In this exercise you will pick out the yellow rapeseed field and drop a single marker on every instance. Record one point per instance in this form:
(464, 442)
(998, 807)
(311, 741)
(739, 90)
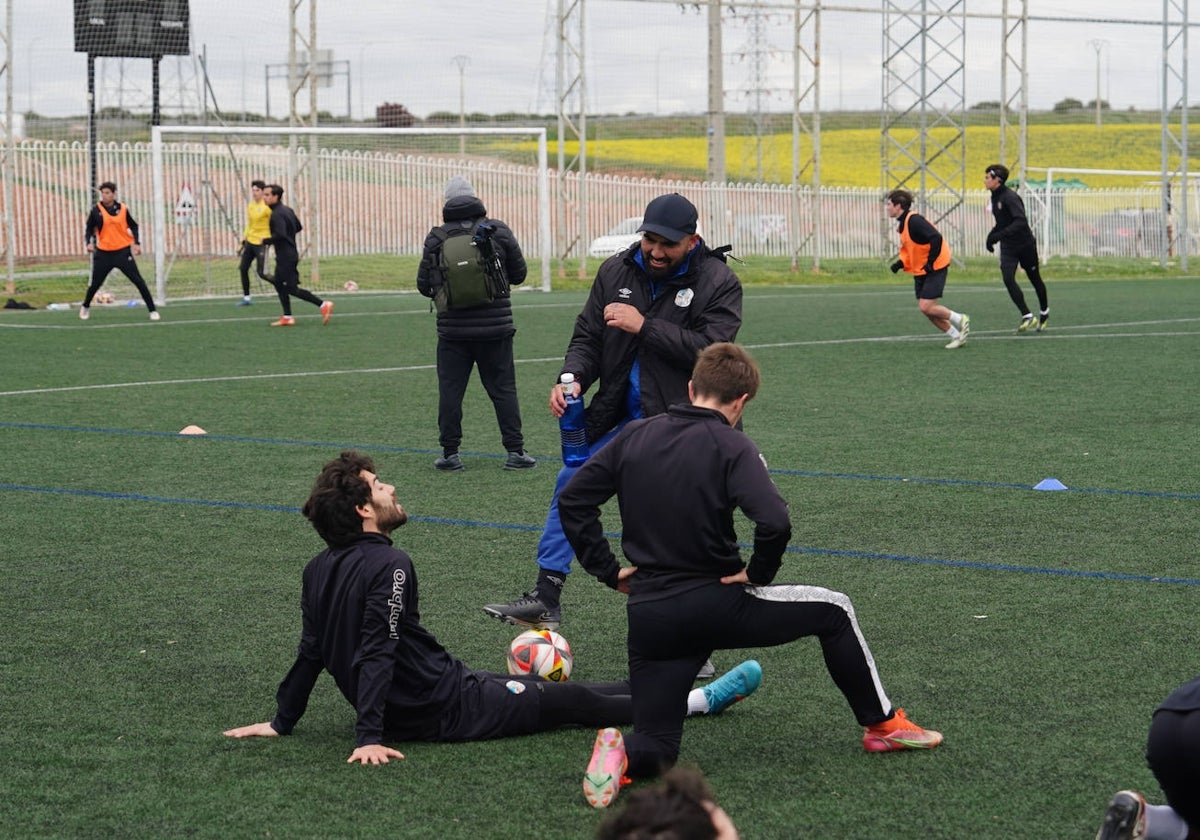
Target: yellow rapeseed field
(851, 157)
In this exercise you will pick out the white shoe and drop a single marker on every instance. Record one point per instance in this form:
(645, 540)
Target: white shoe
(154, 316)
(965, 329)
(958, 342)
(84, 313)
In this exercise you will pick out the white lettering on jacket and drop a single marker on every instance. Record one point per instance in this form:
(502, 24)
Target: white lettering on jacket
(396, 603)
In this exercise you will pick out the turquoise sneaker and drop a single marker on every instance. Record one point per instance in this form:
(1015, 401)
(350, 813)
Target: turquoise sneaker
(732, 687)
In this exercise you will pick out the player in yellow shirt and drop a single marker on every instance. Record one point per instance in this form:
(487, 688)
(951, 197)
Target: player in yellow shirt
(258, 228)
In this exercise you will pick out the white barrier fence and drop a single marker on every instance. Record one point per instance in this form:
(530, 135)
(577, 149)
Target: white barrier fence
(384, 204)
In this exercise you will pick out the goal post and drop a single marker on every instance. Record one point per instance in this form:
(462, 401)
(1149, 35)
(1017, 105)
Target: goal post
(359, 192)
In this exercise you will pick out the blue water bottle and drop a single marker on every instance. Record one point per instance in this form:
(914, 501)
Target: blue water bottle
(572, 426)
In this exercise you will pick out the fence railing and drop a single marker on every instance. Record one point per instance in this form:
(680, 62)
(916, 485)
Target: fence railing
(385, 204)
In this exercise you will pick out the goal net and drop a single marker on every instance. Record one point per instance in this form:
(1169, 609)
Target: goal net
(366, 197)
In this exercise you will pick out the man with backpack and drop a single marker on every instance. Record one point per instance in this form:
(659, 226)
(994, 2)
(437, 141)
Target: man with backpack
(467, 266)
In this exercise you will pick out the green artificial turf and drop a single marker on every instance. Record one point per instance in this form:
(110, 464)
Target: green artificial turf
(150, 590)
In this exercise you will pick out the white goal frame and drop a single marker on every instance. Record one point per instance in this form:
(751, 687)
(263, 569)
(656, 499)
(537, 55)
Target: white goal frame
(160, 133)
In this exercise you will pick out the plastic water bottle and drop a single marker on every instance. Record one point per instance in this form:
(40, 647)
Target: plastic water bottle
(572, 426)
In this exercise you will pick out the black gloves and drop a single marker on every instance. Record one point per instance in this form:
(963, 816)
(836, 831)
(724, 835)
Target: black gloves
(992, 239)
(896, 266)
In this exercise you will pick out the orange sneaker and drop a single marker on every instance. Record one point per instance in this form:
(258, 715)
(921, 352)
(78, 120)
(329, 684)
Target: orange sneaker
(899, 733)
(284, 321)
(606, 771)
(326, 312)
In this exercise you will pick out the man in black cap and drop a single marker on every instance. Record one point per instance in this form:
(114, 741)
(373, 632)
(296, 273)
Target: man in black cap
(652, 309)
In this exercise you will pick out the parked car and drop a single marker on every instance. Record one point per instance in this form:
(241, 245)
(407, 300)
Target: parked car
(617, 239)
(1129, 233)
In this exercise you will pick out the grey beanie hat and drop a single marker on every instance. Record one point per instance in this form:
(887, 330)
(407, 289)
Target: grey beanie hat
(458, 185)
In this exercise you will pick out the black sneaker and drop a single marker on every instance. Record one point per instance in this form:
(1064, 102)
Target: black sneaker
(519, 460)
(1125, 818)
(448, 463)
(527, 611)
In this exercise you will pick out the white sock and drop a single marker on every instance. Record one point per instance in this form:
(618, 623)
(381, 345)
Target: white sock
(1045, 312)
(955, 319)
(1162, 823)
(952, 332)
(697, 703)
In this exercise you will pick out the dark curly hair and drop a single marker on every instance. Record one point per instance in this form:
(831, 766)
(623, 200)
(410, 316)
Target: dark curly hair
(671, 810)
(337, 492)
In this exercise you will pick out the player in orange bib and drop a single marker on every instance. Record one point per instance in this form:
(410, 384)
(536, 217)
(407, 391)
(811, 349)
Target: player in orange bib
(111, 235)
(926, 256)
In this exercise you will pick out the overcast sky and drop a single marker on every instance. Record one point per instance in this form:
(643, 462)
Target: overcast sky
(641, 56)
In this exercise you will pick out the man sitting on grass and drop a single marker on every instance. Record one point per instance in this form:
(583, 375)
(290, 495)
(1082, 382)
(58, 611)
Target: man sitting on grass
(361, 623)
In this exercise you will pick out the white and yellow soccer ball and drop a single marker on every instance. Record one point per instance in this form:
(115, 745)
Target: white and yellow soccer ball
(105, 296)
(541, 653)
(350, 286)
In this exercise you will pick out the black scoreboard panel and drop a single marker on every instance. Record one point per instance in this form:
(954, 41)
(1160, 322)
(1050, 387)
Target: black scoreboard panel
(132, 28)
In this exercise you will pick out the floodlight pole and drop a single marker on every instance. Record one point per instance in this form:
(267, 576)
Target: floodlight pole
(10, 150)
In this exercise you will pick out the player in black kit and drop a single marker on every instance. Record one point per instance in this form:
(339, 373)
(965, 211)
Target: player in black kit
(1018, 247)
(362, 624)
(689, 591)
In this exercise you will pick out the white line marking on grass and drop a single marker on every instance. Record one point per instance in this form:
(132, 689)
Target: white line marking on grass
(245, 378)
(1007, 335)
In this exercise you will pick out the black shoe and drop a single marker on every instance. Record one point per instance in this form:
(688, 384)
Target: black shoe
(527, 611)
(1125, 818)
(448, 463)
(1042, 321)
(519, 460)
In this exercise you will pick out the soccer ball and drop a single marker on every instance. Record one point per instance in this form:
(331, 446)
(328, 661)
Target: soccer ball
(541, 653)
(105, 297)
(350, 286)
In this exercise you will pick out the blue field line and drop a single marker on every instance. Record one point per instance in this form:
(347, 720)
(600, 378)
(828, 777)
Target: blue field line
(963, 482)
(437, 520)
(371, 447)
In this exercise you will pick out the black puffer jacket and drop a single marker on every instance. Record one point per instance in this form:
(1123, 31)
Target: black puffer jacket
(684, 314)
(486, 322)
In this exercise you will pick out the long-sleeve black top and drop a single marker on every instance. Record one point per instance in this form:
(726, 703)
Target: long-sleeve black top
(362, 624)
(1011, 226)
(284, 229)
(678, 477)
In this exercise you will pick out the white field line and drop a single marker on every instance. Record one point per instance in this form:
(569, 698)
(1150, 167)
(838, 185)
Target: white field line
(1056, 332)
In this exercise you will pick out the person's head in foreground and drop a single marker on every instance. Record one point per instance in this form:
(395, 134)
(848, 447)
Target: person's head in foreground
(679, 807)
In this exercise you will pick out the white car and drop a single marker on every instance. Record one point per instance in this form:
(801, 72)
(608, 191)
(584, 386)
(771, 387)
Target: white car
(616, 240)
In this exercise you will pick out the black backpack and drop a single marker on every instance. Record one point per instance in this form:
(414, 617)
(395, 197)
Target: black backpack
(470, 268)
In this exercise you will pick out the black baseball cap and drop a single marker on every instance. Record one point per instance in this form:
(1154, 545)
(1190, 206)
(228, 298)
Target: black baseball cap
(671, 216)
